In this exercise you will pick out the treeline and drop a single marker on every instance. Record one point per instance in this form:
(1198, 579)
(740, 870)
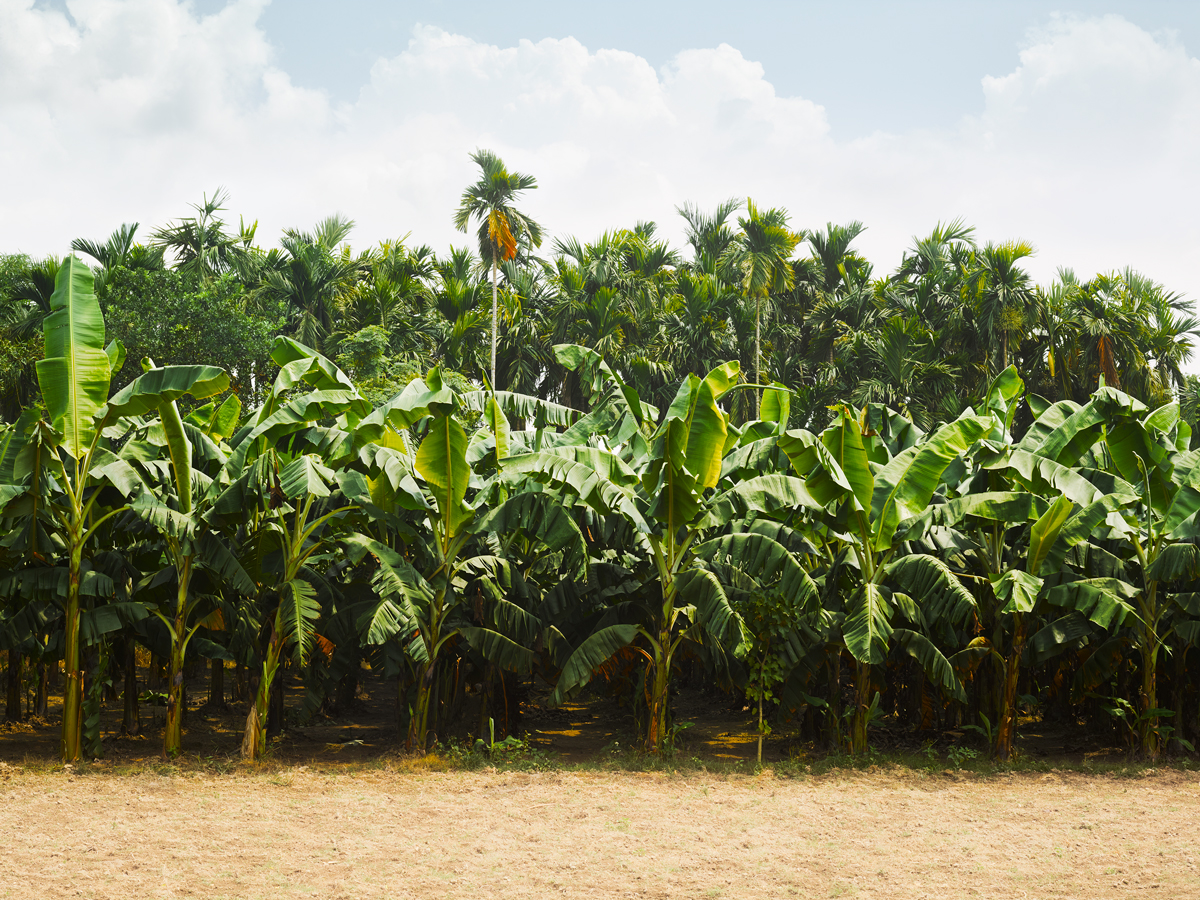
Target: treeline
(945, 495)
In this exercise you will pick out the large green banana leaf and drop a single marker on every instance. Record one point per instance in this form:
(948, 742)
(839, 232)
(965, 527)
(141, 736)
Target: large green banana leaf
(299, 363)
(939, 593)
(298, 614)
(764, 494)
(589, 656)
(777, 406)
(442, 462)
(592, 366)
(417, 401)
(164, 385)
(159, 388)
(545, 518)
(593, 489)
(534, 410)
(498, 649)
(818, 466)
(1105, 601)
(904, 487)
(868, 626)
(75, 374)
(702, 591)
(844, 441)
(1044, 533)
(995, 506)
(764, 560)
(305, 476)
(937, 668)
(1046, 477)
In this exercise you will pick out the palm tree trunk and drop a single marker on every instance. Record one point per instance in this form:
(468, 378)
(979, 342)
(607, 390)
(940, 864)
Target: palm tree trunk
(494, 385)
(757, 356)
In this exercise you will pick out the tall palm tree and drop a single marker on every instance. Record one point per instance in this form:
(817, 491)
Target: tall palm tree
(501, 226)
(760, 255)
(708, 233)
(312, 278)
(1006, 294)
(29, 298)
(200, 244)
(831, 249)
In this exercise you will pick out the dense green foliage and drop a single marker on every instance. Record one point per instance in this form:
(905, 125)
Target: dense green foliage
(944, 495)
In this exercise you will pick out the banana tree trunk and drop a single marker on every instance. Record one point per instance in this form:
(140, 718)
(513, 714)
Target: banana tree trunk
(1007, 730)
(72, 723)
(1147, 724)
(12, 700)
(1177, 690)
(173, 734)
(216, 684)
(41, 696)
(419, 724)
(833, 727)
(862, 708)
(656, 733)
(254, 741)
(761, 671)
(130, 720)
(418, 728)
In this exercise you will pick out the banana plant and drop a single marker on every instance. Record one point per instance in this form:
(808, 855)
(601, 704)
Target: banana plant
(287, 505)
(1122, 447)
(175, 507)
(63, 464)
(425, 605)
(665, 482)
(1013, 529)
(860, 505)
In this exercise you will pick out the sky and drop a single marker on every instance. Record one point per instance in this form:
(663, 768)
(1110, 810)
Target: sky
(1073, 126)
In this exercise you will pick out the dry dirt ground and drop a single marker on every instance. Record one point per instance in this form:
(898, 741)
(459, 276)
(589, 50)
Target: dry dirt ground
(298, 832)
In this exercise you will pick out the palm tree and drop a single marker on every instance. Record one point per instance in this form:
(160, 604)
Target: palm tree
(456, 307)
(501, 226)
(29, 298)
(201, 245)
(708, 234)
(1006, 293)
(760, 255)
(311, 278)
(831, 249)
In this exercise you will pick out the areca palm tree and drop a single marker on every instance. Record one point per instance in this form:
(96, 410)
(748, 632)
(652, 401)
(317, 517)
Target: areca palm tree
(708, 233)
(312, 278)
(200, 244)
(501, 226)
(1005, 293)
(831, 249)
(760, 256)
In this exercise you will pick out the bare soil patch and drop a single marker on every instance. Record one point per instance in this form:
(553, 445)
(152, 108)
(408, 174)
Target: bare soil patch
(297, 832)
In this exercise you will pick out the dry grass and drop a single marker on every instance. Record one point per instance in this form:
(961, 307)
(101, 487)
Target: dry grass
(411, 831)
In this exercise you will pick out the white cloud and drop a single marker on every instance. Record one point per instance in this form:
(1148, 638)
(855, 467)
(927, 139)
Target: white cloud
(138, 106)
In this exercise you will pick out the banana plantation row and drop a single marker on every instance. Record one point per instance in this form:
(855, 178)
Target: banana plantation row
(839, 575)
(825, 489)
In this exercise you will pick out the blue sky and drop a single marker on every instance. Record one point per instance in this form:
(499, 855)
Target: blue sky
(1074, 126)
(873, 64)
